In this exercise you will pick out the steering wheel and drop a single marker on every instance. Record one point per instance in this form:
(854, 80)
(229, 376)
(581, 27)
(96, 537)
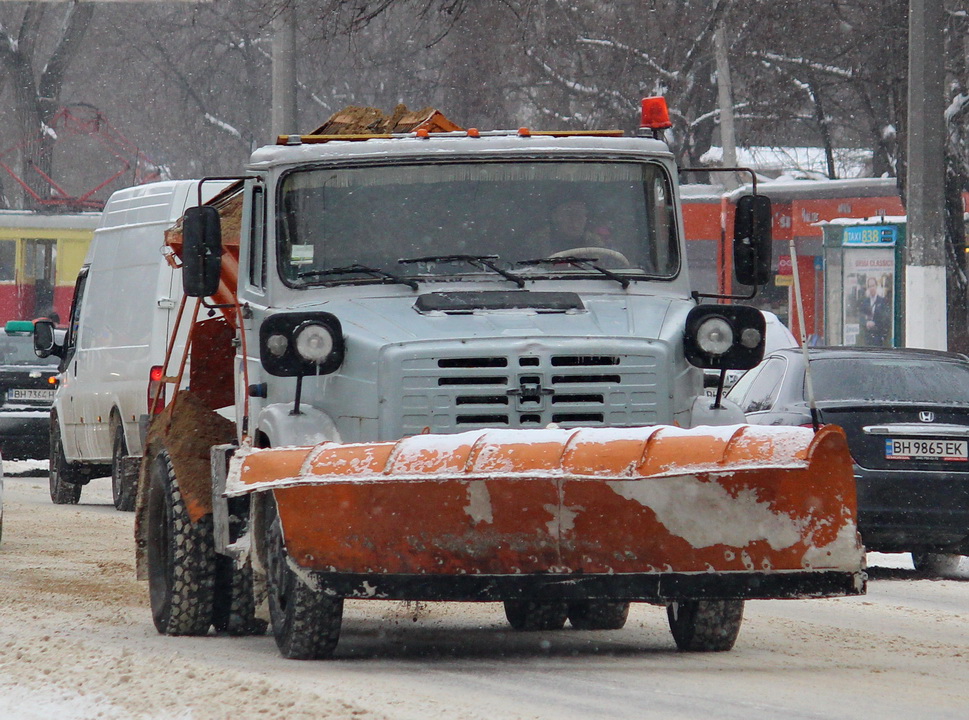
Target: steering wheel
(598, 253)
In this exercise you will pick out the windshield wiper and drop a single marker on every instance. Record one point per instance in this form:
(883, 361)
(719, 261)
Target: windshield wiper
(359, 269)
(579, 262)
(478, 261)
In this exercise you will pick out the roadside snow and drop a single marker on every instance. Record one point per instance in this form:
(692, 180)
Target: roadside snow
(24, 702)
(77, 643)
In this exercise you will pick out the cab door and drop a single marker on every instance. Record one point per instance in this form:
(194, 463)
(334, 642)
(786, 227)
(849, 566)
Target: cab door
(253, 278)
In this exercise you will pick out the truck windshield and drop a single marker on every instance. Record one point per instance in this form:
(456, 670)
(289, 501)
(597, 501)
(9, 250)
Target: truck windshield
(615, 215)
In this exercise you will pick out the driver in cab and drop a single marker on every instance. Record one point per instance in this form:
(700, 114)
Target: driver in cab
(568, 234)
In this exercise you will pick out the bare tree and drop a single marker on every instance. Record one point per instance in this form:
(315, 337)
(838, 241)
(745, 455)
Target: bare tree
(35, 59)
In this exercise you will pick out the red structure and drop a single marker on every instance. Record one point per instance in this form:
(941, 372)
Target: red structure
(799, 205)
(73, 124)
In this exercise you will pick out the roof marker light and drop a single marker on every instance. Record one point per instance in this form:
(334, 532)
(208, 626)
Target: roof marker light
(524, 132)
(655, 115)
(474, 133)
(422, 133)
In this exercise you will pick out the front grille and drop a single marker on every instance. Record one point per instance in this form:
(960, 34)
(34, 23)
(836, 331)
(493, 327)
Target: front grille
(529, 389)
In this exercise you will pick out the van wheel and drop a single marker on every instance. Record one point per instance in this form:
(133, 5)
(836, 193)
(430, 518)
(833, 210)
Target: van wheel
(65, 479)
(181, 557)
(705, 625)
(122, 489)
(598, 615)
(530, 615)
(306, 622)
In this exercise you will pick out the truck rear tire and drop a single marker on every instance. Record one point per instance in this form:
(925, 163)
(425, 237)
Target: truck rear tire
(936, 564)
(65, 480)
(181, 557)
(598, 615)
(123, 490)
(532, 615)
(234, 606)
(705, 625)
(306, 623)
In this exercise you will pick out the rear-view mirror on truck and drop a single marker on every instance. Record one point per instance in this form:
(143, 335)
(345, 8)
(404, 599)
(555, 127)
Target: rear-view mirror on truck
(752, 240)
(202, 254)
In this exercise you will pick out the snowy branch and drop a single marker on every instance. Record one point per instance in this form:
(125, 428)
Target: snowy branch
(843, 73)
(645, 57)
(222, 125)
(618, 101)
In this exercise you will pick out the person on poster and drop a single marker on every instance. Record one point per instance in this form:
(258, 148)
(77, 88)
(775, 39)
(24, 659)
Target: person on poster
(876, 317)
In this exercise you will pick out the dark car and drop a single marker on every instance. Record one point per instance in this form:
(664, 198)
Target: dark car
(906, 415)
(26, 393)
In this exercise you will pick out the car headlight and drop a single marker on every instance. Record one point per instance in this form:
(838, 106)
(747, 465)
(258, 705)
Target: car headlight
(294, 344)
(724, 337)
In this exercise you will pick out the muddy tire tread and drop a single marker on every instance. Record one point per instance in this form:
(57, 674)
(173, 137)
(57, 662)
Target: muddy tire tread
(536, 615)
(598, 615)
(306, 622)
(181, 558)
(705, 625)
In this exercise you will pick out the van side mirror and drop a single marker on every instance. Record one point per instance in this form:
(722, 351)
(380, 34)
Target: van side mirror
(201, 251)
(752, 240)
(44, 343)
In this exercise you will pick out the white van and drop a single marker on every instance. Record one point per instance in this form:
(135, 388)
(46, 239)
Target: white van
(125, 300)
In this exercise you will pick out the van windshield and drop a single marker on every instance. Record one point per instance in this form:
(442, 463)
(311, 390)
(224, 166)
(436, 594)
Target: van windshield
(567, 215)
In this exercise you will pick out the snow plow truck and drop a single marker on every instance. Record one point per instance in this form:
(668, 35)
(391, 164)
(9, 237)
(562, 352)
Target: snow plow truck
(428, 363)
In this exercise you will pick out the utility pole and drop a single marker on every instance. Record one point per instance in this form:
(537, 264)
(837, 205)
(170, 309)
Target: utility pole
(725, 98)
(925, 269)
(284, 117)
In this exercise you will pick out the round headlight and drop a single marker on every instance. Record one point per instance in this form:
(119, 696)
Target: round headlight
(750, 338)
(714, 336)
(314, 342)
(277, 344)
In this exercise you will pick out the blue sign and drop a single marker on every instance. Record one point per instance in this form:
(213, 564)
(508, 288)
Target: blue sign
(869, 235)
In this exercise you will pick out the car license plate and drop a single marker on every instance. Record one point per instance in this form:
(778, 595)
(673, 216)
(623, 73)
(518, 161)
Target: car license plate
(30, 394)
(913, 449)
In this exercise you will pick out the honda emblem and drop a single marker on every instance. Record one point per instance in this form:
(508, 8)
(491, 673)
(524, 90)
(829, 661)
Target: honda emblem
(926, 416)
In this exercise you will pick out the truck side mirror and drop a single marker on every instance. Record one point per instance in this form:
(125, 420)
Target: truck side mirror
(752, 240)
(44, 343)
(201, 251)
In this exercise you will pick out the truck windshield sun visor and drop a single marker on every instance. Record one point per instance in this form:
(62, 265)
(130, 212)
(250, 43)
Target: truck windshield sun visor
(595, 217)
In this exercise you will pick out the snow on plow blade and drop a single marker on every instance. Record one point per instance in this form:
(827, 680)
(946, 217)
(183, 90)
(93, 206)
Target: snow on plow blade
(640, 513)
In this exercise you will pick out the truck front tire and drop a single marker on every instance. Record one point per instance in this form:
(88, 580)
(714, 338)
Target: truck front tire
(181, 557)
(705, 625)
(306, 623)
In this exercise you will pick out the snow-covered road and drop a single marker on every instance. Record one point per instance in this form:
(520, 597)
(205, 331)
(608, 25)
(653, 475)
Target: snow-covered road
(77, 642)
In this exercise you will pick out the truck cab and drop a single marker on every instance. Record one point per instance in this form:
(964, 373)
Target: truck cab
(506, 280)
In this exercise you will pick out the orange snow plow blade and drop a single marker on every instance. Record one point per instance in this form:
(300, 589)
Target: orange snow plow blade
(774, 507)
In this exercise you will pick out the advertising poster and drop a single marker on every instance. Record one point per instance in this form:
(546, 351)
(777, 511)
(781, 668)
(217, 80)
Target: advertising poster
(869, 299)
